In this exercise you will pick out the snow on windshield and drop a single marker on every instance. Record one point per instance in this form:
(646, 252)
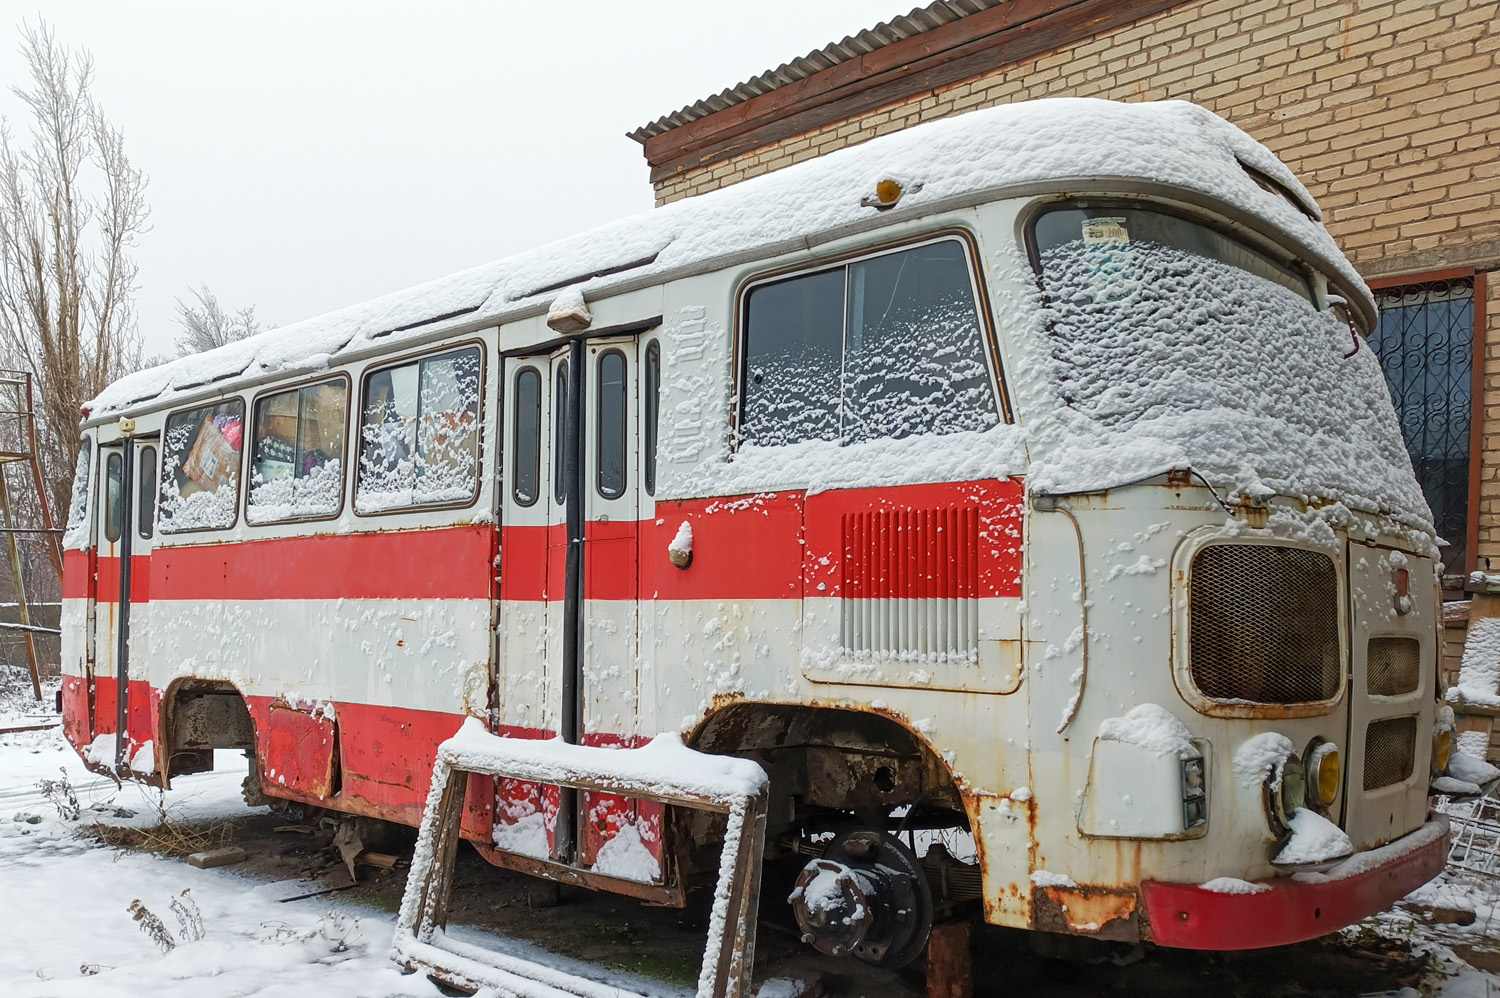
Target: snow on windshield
(77, 533)
(1165, 358)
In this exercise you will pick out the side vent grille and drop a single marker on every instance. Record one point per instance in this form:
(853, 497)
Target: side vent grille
(911, 584)
(1395, 666)
(1390, 751)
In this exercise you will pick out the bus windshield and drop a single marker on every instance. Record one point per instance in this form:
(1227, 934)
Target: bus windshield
(1176, 345)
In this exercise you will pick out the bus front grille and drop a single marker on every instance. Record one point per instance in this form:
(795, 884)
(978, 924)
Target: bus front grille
(1263, 624)
(1394, 666)
(1390, 751)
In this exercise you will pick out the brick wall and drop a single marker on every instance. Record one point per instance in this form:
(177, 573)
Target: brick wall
(1489, 457)
(1388, 111)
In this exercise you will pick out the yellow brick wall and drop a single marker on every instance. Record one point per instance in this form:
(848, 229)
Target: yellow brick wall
(1388, 111)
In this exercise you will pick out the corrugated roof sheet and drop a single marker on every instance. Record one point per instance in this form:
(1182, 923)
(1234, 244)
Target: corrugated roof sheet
(921, 20)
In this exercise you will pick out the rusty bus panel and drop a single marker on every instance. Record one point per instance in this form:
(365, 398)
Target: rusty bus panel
(1100, 912)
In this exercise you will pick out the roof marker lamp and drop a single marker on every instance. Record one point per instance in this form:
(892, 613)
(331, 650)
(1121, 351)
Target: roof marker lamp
(887, 193)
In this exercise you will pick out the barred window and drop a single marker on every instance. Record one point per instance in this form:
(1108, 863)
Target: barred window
(1425, 342)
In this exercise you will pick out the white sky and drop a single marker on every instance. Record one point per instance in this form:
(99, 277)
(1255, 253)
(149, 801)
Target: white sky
(304, 156)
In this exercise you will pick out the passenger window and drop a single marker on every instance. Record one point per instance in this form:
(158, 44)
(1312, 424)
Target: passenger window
(77, 535)
(889, 346)
(297, 461)
(794, 342)
(652, 414)
(113, 496)
(560, 436)
(200, 473)
(419, 435)
(528, 436)
(145, 513)
(611, 415)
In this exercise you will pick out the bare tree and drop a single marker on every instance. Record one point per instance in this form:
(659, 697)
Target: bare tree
(71, 208)
(208, 325)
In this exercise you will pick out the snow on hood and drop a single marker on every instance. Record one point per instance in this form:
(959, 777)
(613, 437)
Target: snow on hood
(1171, 142)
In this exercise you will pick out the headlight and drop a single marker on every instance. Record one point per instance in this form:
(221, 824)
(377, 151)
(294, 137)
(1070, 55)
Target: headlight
(1289, 794)
(1442, 750)
(1323, 773)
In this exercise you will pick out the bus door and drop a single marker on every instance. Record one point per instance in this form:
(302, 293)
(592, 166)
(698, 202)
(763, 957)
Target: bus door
(125, 529)
(533, 554)
(610, 684)
(569, 551)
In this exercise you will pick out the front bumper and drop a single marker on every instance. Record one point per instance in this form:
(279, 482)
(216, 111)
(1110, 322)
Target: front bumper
(1303, 906)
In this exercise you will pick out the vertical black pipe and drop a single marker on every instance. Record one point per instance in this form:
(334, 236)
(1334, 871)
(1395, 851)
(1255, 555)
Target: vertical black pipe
(572, 679)
(122, 648)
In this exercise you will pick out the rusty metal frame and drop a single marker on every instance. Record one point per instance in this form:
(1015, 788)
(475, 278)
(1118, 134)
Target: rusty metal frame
(421, 943)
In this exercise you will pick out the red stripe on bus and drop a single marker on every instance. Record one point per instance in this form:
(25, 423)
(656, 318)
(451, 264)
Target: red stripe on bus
(447, 563)
(78, 575)
(108, 580)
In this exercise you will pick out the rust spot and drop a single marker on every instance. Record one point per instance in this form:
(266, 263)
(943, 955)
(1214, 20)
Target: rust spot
(722, 700)
(1100, 912)
(400, 643)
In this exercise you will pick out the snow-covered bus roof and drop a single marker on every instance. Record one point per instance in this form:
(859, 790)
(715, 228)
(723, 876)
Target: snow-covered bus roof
(942, 164)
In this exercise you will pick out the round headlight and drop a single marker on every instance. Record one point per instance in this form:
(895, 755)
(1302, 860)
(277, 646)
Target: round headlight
(1442, 750)
(1288, 790)
(1324, 772)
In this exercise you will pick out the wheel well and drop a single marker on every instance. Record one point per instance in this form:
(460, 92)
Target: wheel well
(202, 715)
(831, 759)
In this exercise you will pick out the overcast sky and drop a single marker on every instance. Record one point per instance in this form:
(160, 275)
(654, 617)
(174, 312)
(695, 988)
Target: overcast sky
(304, 156)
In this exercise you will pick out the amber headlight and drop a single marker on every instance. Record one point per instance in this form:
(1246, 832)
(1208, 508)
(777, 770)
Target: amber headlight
(1442, 750)
(1324, 773)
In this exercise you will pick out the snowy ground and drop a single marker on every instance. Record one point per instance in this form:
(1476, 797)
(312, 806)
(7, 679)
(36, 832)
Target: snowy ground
(68, 929)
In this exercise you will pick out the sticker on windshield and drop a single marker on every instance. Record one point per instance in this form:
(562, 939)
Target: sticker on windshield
(1105, 232)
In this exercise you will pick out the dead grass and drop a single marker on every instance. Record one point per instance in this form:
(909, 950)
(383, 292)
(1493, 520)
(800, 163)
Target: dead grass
(166, 838)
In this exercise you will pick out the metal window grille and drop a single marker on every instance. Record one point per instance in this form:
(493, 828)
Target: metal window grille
(1425, 342)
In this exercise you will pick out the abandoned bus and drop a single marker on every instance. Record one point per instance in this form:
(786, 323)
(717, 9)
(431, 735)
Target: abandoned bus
(1017, 490)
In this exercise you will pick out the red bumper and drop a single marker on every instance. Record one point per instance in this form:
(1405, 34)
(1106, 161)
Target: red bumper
(1289, 910)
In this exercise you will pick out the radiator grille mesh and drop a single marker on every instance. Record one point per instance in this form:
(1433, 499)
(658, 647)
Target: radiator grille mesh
(1395, 666)
(1390, 750)
(1264, 624)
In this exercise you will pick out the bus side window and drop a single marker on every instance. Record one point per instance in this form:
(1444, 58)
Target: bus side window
(789, 384)
(612, 396)
(113, 497)
(297, 459)
(200, 467)
(886, 346)
(419, 434)
(559, 435)
(914, 353)
(145, 510)
(652, 419)
(528, 436)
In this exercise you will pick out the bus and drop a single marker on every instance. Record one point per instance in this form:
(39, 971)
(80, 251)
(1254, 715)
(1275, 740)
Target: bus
(1019, 491)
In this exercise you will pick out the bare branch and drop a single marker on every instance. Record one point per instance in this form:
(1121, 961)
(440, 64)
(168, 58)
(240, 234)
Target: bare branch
(71, 208)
